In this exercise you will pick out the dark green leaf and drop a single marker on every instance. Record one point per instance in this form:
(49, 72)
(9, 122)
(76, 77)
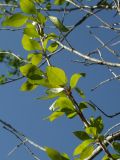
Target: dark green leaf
(80, 92)
(81, 135)
(116, 146)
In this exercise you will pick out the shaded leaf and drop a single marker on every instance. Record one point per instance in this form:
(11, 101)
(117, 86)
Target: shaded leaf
(81, 135)
(80, 92)
(116, 146)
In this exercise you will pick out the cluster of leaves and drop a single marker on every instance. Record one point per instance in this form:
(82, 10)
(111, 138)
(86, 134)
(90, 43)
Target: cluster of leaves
(13, 63)
(39, 44)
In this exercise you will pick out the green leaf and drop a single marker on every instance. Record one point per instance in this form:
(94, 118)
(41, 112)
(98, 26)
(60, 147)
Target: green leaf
(30, 44)
(86, 152)
(83, 105)
(16, 20)
(58, 24)
(41, 18)
(75, 78)
(98, 123)
(28, 86)
(80, 92)
(91, 131)
(56, 76)
(49, 37)
(81, 135)
(116, 146)
(64, 102)
(31, 31)
(78, 150)
(31, 71)
(59, 2)
(35, 59)
(53, 47)
(27, 6)
(55, 115)
(55, 155)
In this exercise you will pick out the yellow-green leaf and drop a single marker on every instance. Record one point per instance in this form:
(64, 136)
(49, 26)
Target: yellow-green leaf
(35, 58)
(31, 71)
(58, 24)
(30, 44)
(64, 102)
(59, 2)
(56, 76)
(86, 152)
(27, 86)
(31, 31)
(55, 115)
(53, 47)
(16, 20)
(75, 78)
(27, 6)
(82, 146)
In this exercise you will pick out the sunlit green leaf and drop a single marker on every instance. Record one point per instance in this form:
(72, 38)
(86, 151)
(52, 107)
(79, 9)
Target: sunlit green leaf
(31, 31)
(53, 47)
(56, 76)
(81, 135)
(31, 71)
(64, 102)
(59, 2)
(30, 44)
(75, 78)
(55, 115)
(27, 6)
(91, 131)
(82, 146)
(16, 20)
(55, 155)
(41, 18)
(35, 59)
(27, 86)
(86, 152)
(58, 24)
(97, 123)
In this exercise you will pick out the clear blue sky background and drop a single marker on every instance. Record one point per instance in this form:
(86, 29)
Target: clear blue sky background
(25, 113)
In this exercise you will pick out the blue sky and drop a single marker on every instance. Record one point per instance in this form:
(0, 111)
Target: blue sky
(25, 113)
